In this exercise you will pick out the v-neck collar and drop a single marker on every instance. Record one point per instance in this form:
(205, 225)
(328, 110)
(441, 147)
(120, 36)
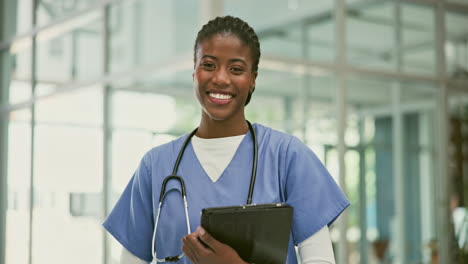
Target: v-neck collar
(246, 140)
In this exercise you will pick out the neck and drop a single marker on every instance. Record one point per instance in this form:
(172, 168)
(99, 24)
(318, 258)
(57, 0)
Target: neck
(210, 128)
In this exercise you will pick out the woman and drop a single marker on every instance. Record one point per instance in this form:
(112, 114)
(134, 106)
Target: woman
(216, 167)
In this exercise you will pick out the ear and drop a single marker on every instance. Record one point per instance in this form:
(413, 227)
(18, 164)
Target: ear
(252, 85)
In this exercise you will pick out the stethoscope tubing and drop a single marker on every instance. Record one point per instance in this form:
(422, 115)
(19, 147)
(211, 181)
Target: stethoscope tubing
(153, 241)
(174, 176)
(253, 176)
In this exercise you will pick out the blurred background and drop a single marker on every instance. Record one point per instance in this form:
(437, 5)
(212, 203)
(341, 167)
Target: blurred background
(377, 89)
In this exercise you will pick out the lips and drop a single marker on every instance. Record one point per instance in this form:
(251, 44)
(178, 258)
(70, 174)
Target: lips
(220, 98)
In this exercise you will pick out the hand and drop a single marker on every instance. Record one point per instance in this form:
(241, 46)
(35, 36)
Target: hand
(214, 252)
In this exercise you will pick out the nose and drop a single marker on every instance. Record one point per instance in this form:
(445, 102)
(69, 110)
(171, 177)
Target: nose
(221, 77)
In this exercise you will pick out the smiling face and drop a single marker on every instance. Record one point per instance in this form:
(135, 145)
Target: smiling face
(223, 77)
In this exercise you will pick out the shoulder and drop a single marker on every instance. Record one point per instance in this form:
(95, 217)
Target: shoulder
(278, 139)
(271, 136)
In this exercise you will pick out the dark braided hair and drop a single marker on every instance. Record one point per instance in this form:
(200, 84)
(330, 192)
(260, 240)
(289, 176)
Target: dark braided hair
(231, 25)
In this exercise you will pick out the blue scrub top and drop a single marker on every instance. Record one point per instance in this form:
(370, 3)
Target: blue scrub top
(288, 171)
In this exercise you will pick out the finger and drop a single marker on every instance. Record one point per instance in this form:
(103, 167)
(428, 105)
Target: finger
(210, 241)
(189, 254)
(187, 248)
(198, 247)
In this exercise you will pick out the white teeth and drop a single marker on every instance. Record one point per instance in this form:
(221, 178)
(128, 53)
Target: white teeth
(220, 96)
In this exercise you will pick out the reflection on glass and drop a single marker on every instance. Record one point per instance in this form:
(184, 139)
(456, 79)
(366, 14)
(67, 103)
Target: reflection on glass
(69, 52)
(418, 39)
(269, 111)
(68, 161)
(372, 30)
(145, 111)
(370, 34)
(319, 113)
(188, 113)
(282, 42)
(76, 108)
(142, 121)
(299, 29)
(128, 147)
(296, 103)
(49, 11)
(150, 32)
(19, 175)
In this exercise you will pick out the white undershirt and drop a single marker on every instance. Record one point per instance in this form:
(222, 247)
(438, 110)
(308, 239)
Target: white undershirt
(214, 155)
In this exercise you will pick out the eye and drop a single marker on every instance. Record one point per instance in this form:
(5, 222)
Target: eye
(208, 65)
(237, 70)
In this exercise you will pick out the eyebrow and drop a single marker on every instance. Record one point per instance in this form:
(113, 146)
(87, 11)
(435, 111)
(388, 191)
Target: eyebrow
(231, 60)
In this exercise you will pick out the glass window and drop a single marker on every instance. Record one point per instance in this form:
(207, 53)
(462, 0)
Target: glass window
(320, 115)
(137, 114)
(140, 111)
(49, 11)
(15, 71)
(18, 192)
(268, 110)
(299, 29)
(188, 113)
(456, 48)
(369, 108)
(137, 127)
(16, 18)
(68, 170)
(151, 32)
(143, 97)
(76, 108)
(418, 39)
(370, 34)
(69, 52)
(321, 38)
(372, 31)
(371, 139)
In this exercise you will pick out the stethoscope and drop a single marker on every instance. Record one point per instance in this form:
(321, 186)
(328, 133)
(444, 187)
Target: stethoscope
(174, 176)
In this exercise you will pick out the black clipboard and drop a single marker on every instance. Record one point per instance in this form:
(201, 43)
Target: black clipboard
(259, 233)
